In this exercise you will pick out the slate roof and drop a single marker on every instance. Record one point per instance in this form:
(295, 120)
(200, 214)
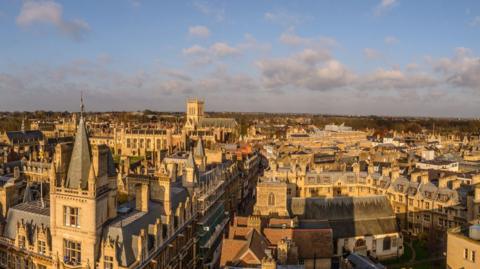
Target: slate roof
(347, 216)
(126, 229)
(361, 262)
(80, 162)
(217, 122)
(32, 213)
(19, 136)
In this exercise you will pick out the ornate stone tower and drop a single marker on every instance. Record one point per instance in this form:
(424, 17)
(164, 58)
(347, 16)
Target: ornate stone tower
(194, 112)
(199, 155)
(81, 201)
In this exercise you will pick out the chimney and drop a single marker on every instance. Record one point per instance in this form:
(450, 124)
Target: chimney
(142, 197)
(16, 172)
(414, 176)
(424, 178)
(456, 184)
(371, 169)
(356, 168)
(395, 173)
(443, 182)
(386, 171)
(477, 194)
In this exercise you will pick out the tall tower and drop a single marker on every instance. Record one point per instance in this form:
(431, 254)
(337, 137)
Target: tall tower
(194, 111)
(81, 202)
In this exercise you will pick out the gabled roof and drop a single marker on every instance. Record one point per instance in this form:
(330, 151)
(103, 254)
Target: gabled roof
(80, 162)
(244, 251)
(16, 136)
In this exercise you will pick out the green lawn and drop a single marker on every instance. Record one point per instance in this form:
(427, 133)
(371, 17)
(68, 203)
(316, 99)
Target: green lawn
(422, 253)
(407, 255)
(421, 250)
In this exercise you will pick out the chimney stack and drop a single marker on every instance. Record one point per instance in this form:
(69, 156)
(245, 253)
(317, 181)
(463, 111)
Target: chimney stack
(142, 197)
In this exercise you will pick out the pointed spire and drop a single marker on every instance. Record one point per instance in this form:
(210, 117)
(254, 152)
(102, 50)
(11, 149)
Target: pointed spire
(80, 162)
(82, 107)
(190, 161)
(23, 125)
(199, 149)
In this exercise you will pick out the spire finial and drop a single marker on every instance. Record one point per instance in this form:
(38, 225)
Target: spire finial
(81, 104)
(23, 125)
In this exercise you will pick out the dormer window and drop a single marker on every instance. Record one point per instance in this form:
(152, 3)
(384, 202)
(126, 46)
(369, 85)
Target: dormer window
(70, 216)
(108, 262)
(21, 241)
(42, 248)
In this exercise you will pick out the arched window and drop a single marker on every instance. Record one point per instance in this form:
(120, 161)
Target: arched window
(271, 199)
(360, 243)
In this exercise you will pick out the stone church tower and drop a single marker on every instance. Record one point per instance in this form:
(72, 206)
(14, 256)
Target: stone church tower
(82, 199)
(194, 113)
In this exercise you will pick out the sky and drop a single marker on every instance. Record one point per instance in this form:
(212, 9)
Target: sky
(382, 57)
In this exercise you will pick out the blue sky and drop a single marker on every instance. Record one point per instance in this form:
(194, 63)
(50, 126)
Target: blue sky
(386, 57)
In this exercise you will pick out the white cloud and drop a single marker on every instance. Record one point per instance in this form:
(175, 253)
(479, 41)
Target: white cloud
(199, 31)
(461, 70)
(284, 18)
(475, 21)
(194, 50)
(218, 50)
(50, 12)
(221, 49)
(135, 3)
(395, 79)
(208, 9)
(290, 38)
(384, 6)
(390, 40)
(371, 54)
(308, 69)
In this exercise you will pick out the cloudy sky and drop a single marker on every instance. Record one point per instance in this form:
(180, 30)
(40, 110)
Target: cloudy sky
(386, 57)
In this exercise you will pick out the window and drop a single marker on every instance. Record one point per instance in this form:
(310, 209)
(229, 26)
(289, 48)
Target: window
(148, 143)
(360, 243)
(289, 191)
(21, 241)
(426, 217)
(3, 257)
(128, 142)
(473, 256)
(400, 198)
(42, 247)
(108, 262)
(70, 216)
(387, 243)
(427, 205)
(72, 252)
(271, 199)
(465, 254)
